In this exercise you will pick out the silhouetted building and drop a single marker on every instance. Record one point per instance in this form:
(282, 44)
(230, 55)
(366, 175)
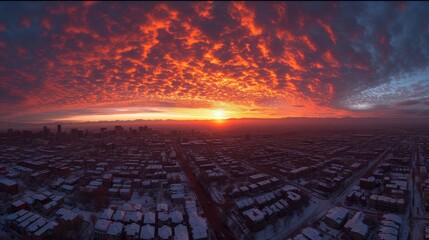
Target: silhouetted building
(8, 186)
(118, 130)
(46, 131)
(75, 133)
(143, 129)
(59, 129)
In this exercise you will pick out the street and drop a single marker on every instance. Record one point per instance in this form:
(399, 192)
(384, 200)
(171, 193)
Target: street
(207, 204)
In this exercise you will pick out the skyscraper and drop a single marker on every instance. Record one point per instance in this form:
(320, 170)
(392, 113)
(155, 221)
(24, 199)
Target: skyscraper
(59, 129)
(46, 131)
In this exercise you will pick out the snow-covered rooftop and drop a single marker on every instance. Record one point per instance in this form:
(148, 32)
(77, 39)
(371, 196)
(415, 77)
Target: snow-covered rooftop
(45, 228)
(311, 233)
(66, 215)
(162, 207)
(107, 214)
(393, 217)
(147, 232)
(132, 229)
(115, 229)
(176, 217)
(36, 225)
(102, 225)
(356, 225)
(149, 218)
(165, 232)
(118, 216)
(163, 216)
(338, 214)
(133, 216)
(181, 232)
(254, 214)
(7, 182)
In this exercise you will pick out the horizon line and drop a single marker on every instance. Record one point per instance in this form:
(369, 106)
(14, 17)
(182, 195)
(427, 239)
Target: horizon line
(212, 120)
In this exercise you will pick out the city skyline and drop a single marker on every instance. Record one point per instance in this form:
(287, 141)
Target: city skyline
(106, 61)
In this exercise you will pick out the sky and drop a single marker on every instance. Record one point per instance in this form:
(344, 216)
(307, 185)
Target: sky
(101, 61)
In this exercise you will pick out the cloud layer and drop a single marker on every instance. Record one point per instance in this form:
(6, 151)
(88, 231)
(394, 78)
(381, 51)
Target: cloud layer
(252, 59)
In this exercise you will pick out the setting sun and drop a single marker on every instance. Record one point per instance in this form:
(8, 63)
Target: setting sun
(219, 114)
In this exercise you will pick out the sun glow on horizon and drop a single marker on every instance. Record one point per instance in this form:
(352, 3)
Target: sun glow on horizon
(133, 113)
(219, 114)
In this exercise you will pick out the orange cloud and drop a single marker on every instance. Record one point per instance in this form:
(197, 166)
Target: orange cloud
(203, 9)
(328, 29)
(165, 54)
(308, 43)
(329, 58)
(246, 17)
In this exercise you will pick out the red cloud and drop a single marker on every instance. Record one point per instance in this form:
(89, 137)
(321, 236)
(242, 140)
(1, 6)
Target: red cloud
(245, 16)
(328, 29)
(167, 53)
(203, 9)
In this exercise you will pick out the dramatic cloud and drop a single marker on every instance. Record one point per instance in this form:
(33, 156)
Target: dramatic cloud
(107, 60)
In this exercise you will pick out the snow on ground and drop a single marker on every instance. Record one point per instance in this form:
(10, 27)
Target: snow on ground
(330, 233)
(286, 225)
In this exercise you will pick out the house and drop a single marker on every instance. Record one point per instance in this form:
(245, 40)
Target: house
(356, 228)
(162, 207)
(393, 218)
(46, 230)
(165, 232)
(147, 232)
(336, 217)
(125, 193)
(164, 218)
(100, 229)
(107, 214)
(245, 203)
(176, 217)
(40, 199)
(311, 233)
(67, 218)
(132, 231)
(114, 232)
(133, 217)
(387, 203)
(199, 227)
(298, 172)
(50, 207)
(107, 180)
(270, 215)
(149, 218)
(9, 186)
(178, 197)
(18, 205)
(255, 219)
(29, 201)
(118, 216)
(36, 225)
(181, 232)
(12, 218)
(293, 199)
(367, 183)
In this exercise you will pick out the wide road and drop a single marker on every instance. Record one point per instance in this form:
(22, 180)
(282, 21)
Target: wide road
(207, 204)
(417, 207)
(339, 196)
(335, 199)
